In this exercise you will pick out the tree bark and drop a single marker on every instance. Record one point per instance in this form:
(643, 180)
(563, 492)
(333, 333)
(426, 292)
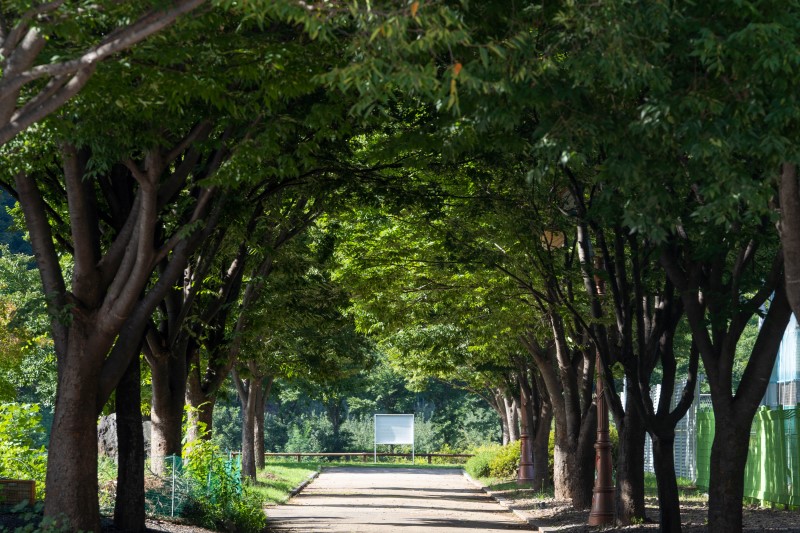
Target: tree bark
(726, 480)
(72, 453)
(248, 401)
(512, 412)
(168, 373)
(260, 422)
(573, 472)
(495, 399)
(129, 503)
(541, 445)
(664, 462)
(201, 412)
(629, 500)
(526, 418)
(790, 233)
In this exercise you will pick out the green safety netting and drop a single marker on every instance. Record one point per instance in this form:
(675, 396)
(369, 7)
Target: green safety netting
(175, 492)
(772, 473)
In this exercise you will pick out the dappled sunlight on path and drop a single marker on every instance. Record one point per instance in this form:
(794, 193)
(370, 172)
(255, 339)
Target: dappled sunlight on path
(392, 499)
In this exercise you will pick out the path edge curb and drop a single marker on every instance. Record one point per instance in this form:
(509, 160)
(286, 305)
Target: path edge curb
(295, 491)
(506, 504)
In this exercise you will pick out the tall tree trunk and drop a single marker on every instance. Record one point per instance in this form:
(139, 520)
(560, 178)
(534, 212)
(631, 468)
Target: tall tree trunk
(629, 500)
(790, 233)
(496, 401)
(573, 472)
(512, 412)
(260, 421)
(541, 446)
(664, 463)
(728, 461)
(168, 373)
(72, 452)
(526, 471)
(129, 502)
(248, 402)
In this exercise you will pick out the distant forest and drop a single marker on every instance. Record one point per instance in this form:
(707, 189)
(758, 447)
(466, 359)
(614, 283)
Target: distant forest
(9, 234)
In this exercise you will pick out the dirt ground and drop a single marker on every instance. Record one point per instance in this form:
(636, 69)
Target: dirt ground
(380, 500)
(554, 515)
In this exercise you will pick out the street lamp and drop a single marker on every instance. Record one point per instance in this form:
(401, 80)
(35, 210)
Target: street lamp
(602, 512)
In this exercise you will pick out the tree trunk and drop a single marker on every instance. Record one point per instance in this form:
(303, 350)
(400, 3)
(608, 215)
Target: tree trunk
(261, 402)
(526, 471)
(201, 412)
(512, 413)
(629, 500)
(72, 452)
(664, 462)
(541, 447)
(169, 395)
(129, 502)
(573, 472)
(248, 427)
(726, 481)
(790, 233)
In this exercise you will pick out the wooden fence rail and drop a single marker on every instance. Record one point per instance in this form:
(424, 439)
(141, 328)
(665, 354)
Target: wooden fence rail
(364, 455)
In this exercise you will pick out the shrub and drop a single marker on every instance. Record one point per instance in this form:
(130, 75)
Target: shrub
(20, 428)
(28, 519)
(478, 465)
(494, 461)
(505, 462)
(218, 498)
(312, 433)
(361, 432)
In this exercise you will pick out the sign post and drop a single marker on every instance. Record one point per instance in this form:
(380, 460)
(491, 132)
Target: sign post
(394, 429)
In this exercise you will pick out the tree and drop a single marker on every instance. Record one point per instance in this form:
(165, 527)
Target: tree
(298, 332)
(51, 34)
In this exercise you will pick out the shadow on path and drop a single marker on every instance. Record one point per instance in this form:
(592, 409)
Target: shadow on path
(379, 500)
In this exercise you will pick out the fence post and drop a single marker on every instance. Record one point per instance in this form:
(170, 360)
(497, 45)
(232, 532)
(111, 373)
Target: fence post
(172, 511)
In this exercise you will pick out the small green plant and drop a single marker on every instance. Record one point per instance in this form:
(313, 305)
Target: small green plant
(28, 519)
(218, 498)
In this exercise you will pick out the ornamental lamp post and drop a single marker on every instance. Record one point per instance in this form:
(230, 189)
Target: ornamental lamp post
(602, 512)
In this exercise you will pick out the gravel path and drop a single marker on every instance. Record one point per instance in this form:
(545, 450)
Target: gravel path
(379, 500)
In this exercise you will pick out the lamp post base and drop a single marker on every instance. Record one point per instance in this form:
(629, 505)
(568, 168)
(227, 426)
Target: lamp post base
(525, 474)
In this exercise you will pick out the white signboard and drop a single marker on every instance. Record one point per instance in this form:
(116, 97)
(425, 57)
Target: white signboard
(394, 429)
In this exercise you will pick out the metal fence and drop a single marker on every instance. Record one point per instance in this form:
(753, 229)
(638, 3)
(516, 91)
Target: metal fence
(685, 436)
(179, 488)
(175, 492)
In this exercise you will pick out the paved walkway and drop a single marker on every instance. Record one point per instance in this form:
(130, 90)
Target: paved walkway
(379, 500)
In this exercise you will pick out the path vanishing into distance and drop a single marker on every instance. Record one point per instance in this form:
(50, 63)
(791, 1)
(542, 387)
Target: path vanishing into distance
(379, 500)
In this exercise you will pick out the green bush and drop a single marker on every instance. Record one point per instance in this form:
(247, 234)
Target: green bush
(494, 461)
(28, 519)
(311, 433)
(505, 462)
(478, 465)
(20, 458)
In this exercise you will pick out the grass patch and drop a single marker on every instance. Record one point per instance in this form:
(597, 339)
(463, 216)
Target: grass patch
(687, 490)
(276, 481)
